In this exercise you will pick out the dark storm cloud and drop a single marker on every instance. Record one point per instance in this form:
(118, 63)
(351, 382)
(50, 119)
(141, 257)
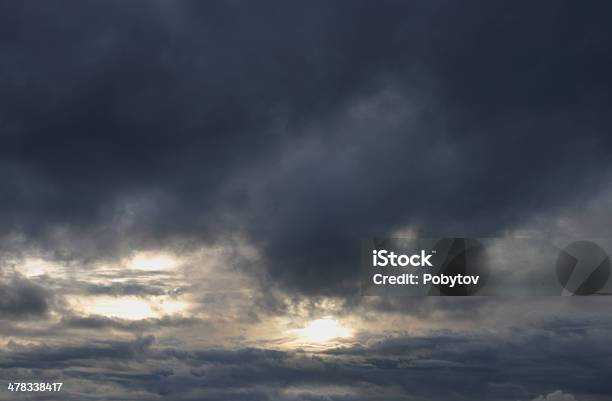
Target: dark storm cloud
(97, 322)
(480, 367)
(84, 355)
(21, 298)
(150, 287)
(125, 289)
(307, 126)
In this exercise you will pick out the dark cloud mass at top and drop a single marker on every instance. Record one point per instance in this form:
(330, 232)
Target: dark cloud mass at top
(307, 125)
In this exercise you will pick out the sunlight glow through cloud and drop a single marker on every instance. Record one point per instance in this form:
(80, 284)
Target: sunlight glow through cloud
(123, 308)
(130, 308)
(323, 330)
(152, 261)
(32, 267)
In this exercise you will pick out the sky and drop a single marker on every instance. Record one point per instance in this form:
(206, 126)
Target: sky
(185, 186)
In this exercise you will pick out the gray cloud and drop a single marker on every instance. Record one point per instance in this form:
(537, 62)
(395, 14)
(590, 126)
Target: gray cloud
(482, 367)
(142, 325)
(20, 298)
(169, 123)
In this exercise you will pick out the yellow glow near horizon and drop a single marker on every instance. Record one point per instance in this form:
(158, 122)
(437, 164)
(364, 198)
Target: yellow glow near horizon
(152, 261)
(32, 267)
(129, 308)
(323, 330)
(122, 308)
(170, 307)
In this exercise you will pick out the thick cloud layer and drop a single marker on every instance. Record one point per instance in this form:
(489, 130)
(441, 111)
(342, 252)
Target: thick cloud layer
(307, 126)
(21, 298)
(425, 368)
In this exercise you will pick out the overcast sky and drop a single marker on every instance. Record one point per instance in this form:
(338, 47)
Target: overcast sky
(185, 184)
